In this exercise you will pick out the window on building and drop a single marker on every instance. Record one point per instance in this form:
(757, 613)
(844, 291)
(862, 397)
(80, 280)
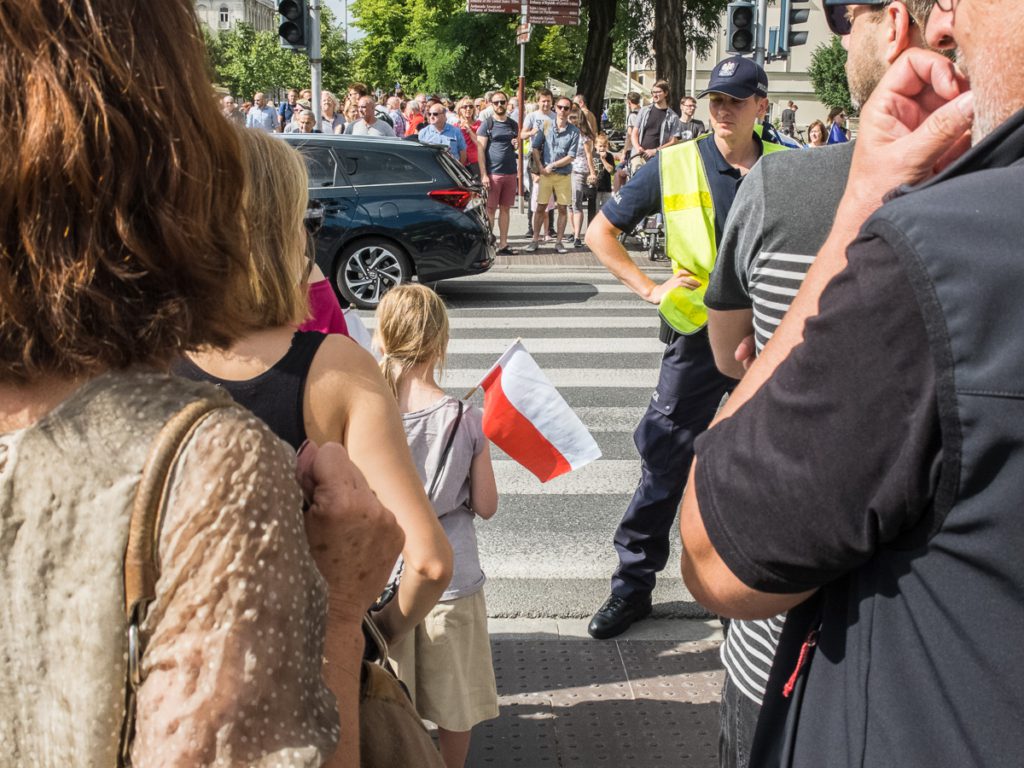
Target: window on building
(225, 16)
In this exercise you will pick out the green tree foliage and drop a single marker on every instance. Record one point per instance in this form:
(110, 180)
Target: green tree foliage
(828, 75)
(617, 114)
(245, 61)
(680, 28)
(434, 46)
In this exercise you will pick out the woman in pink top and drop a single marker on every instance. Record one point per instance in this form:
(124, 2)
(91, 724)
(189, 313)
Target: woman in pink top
(325, 313)
(468, 125)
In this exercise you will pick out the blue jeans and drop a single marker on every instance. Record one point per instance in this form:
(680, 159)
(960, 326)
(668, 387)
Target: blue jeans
(689, 391)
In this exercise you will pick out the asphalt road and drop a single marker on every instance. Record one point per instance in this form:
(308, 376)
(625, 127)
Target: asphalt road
(548, 552)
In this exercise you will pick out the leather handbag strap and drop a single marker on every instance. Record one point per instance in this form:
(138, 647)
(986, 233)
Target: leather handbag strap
(141, 563)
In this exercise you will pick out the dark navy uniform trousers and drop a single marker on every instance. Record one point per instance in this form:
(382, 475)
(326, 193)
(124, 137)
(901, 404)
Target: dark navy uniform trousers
(689, 391)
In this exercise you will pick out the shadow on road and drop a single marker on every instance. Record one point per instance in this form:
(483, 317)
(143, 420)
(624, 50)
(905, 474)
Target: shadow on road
(488, 293)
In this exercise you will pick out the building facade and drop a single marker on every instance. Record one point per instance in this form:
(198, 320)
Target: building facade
(261, 15)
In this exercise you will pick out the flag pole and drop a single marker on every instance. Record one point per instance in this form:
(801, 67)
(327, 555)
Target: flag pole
(491, 369)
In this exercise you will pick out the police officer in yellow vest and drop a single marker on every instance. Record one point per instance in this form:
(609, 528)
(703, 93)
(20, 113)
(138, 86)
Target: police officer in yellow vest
(693, 184)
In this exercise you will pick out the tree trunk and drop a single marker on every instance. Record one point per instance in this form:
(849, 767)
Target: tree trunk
(597, 57)
(670, 47)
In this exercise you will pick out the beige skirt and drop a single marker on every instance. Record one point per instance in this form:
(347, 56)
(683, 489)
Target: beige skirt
(446, 663)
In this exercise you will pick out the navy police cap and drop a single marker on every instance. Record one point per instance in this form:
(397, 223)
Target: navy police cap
(737, 77)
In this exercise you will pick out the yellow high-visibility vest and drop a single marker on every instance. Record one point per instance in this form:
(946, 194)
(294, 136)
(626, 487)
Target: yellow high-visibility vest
(689, 214)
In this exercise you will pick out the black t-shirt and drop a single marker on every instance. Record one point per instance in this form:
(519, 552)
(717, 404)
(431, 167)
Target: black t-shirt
(839, 449)
(691, 129)
(501, 144)
(604, 177)
(651, 137)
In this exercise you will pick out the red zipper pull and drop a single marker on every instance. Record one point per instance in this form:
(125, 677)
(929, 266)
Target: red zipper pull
(801, 662)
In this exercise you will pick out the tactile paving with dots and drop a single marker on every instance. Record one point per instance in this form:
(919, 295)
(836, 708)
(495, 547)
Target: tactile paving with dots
(621, 703)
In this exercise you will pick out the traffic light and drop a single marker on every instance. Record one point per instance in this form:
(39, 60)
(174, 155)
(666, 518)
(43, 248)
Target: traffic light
(789, 17)
(294, 23)
(740, 28)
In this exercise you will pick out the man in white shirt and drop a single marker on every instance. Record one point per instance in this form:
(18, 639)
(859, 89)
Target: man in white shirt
(368, 124)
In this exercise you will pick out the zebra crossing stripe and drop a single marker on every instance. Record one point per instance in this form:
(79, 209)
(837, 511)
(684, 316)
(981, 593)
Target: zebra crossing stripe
(602, 477)
(595, 323)
(549, 345)
(564, 377)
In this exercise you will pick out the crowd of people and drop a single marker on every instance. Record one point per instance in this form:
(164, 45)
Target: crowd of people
(835, 422)
(483, 134)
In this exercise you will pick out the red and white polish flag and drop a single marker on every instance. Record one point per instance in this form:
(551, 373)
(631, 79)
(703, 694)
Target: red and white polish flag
(528, 419)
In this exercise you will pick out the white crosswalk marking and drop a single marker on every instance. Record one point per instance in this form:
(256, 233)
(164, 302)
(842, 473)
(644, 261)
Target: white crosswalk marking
(649, 321)
(605, 476)
(546, 345)
(563, 377)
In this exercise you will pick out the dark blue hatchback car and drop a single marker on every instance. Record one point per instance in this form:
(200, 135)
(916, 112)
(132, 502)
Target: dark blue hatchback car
(393, 209)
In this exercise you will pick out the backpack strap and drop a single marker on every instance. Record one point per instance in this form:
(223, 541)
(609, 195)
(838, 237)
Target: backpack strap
(444, 454)
(141, 566)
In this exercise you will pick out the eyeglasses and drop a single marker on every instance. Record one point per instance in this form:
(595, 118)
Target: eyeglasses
(466, 106)
(435, 114)
(563, 107)
(499, 102)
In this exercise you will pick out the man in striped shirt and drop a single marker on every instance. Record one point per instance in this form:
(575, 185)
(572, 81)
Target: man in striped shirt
(781, 217)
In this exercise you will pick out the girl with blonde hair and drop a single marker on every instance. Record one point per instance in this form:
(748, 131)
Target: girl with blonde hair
(446, 661)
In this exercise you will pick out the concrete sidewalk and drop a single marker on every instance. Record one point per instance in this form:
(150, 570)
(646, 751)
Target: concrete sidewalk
(648, 698)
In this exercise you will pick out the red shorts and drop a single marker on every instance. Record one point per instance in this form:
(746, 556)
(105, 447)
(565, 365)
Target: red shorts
(503, 191)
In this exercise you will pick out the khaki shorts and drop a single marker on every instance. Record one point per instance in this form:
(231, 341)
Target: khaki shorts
(557, 184)
(446, 663)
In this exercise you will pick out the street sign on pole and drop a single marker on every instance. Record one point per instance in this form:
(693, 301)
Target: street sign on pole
(523, 34)
(492, 6)
(566, 12)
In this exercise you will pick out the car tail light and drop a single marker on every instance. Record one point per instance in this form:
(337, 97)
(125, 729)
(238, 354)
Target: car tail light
(456, 198)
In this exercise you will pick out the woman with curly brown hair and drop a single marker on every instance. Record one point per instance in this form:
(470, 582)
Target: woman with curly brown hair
(122, 245)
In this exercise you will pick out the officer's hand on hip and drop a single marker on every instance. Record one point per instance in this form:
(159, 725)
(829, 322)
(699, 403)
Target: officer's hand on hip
(681, 279)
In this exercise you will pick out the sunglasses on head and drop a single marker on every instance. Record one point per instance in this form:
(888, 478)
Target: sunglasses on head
(839, 20)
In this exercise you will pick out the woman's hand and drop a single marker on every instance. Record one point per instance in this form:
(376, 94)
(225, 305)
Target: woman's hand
(354, 539)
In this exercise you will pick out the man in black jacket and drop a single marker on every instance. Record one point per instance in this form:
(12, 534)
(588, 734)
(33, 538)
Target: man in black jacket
(868, 471)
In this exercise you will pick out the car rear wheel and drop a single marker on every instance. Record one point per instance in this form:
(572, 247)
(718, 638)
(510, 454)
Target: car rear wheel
(368, 269)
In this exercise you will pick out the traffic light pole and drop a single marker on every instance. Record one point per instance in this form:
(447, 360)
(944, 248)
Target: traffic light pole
(761, 31)
(315, 59)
